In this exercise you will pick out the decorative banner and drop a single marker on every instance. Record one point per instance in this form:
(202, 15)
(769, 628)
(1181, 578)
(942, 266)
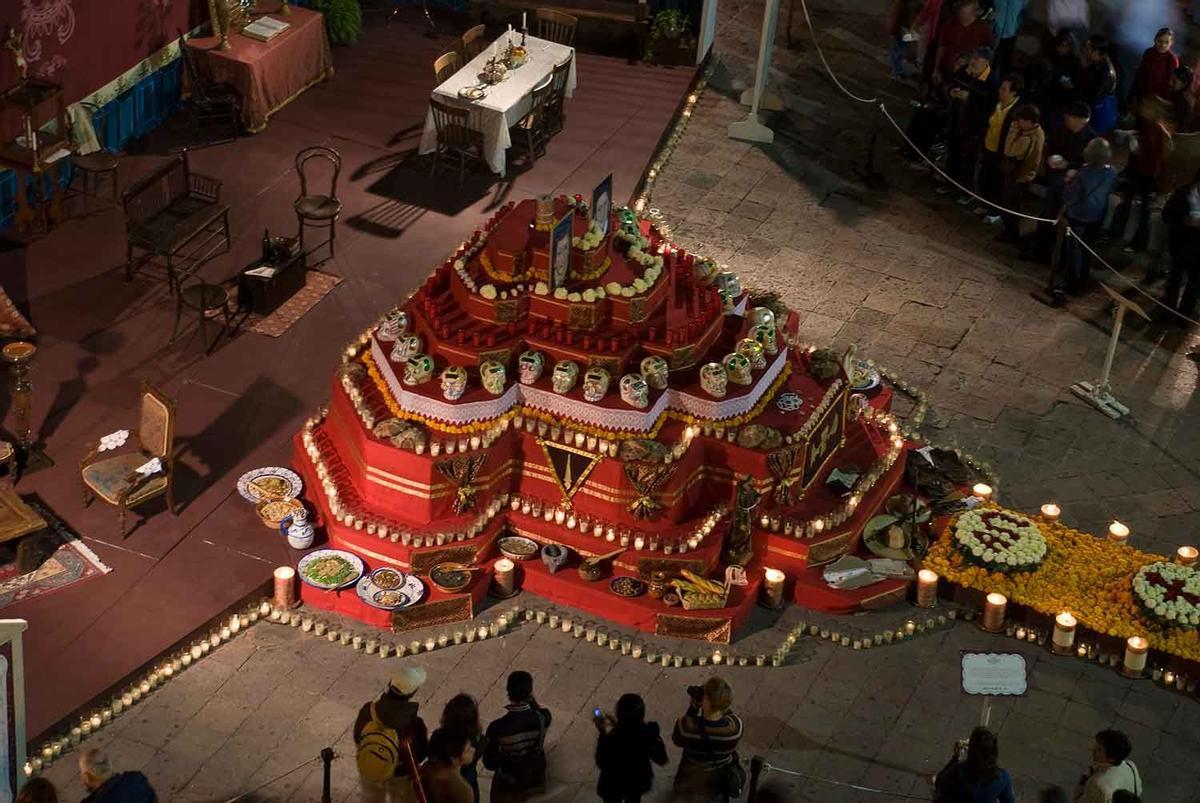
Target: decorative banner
(602, 204)
(827, 436)
(560, 250)
(569, 465)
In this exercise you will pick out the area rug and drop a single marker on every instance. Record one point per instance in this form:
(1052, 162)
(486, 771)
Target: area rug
(317, 285)
(61, 560)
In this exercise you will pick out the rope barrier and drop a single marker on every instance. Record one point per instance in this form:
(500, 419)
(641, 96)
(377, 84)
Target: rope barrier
(1004, 210)
(856, 787)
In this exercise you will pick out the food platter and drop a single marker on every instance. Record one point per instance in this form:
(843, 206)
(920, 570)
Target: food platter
(409, 591)
(329, 569)
(271, 482)
(627, 586)
(518, 547)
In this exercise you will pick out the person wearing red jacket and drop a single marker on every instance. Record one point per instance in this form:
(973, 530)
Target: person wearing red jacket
(1158, 63)
(959, 38)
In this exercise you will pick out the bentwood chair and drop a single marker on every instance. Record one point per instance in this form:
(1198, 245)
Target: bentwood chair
(208, 302)
(556, 26)
(458, 138)
(210, 103)
(116, 479)
(473, 43)
(90, 167)
(315, 209)
(556, 114)
(531, 133)
(445, 66)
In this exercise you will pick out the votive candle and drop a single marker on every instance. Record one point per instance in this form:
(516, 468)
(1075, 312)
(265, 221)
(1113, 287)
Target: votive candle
(982, 490)
(1135, 656)
(993, 612)
(1118, 532)
(773, 588)
(285, 587)
(927, 584)
(504, 576)
(1051, 511)
(1186, 555)
(1063, 638)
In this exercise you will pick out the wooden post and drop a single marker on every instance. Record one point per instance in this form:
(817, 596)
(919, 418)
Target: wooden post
(757, 765)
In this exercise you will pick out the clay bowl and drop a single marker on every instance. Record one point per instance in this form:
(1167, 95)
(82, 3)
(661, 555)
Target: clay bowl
(591, 571)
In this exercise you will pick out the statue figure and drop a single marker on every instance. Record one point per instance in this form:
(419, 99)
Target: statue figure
(16, 44)
(738, 548)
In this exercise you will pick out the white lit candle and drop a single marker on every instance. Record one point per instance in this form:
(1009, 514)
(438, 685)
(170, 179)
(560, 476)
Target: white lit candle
(505, 576)
(773, 588)
(1135, 656)
(1063, 639)
(523, 25)
(982, 490)
(927, 584)
(1118, 532)
(993, 612)
(1186, 555)
(285, 587)
(1051, 511)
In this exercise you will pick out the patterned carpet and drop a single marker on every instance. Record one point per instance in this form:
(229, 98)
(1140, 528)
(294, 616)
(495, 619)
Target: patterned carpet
(317, 285)
(46, 561)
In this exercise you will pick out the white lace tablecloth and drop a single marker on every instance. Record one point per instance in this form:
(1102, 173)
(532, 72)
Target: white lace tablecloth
(507, 102)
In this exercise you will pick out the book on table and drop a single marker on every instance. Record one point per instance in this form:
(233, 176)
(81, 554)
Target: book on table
(264, 29)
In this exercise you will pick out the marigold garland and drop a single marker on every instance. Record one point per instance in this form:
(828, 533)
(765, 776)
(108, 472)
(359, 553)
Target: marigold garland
(1088, 576)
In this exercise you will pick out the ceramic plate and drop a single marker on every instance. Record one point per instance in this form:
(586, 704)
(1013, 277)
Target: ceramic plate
(627, 586)
(865, 377)
(343, 567)
(518, 547)
(409, 592)
(472, 93)
(272, 482)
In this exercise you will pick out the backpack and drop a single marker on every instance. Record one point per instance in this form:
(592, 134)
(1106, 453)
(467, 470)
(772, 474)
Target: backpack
(378, 750)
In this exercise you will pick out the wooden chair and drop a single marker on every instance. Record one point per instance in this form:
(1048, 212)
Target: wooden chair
(458, 138)
(531, 133)
(445, 66)
(210, 103)
(556, 26)
(207, 301)
(92, 166)
(473, 43)
(314, 209)
(556, 114)
(115, 479)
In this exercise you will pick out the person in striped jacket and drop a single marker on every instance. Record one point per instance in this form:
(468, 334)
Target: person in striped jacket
(709, 734)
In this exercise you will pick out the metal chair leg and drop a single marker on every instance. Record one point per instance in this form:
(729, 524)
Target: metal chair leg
(178, 314)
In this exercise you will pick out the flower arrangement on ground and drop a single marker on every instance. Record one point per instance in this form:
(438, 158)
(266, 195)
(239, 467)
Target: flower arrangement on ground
(1169, 593)
(1000, 540)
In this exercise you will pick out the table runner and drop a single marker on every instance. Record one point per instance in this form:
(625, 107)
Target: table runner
(507, 102)
(268, 75)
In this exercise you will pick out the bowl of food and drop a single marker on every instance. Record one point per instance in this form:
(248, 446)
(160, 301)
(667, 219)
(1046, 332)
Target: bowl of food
(450, 577)
(518, 547)
(272, 512)
(387, 578)
(591, 571)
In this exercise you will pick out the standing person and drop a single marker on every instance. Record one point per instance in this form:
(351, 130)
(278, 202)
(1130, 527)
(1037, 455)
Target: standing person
(901, 35)
(105, 786)
(1022, 158)
(991, 178)
(1006, 22)
(929, 22)
(37, 790)
(450, 750)
(462, 713)
(1134, 24)
(1085, 201)
(515, 744)
(971, 100)
(1182, 216)
(977, 777)
(624, 751)
(1100, 84)
(1065, 145)
(382, 730)
(1181, 101)
(1111, 770)
(709, 734)
(1153, 79)
(961, 36)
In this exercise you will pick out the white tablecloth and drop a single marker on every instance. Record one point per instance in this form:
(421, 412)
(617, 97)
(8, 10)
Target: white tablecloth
(507, 102)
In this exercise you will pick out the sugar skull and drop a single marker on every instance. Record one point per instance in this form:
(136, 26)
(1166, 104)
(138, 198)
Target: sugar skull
(454, 382)
(753, 351)
(493, 377)
(406, 346)
(530, 366)
(737, 368)
(565, 375)
(418, 369)
(394, 325)
(728, 284)
(655, 371)
(713, 379)
(764, 333)
(634, 390)
(760, 315)
(595, 384)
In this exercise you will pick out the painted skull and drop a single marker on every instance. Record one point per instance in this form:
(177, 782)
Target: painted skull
(418, 369)
(566, 374)
(493, 376)
(595, 384)
(530, 366)
(753, 351)
(454, 382)
(729, 284)
(406, 346)
(738, 369)
(394, 325)
(713, 379)
(655, 371)
(764, 333)
(634, 390)
(760, 315)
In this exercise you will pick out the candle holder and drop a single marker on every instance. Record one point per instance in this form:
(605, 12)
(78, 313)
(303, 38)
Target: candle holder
(30, 458)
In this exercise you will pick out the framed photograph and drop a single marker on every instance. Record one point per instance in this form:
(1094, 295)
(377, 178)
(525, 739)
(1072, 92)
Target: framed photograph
(602, 203)
(560, 250)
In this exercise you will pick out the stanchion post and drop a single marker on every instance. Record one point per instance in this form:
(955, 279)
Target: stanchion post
(326, 769)
(1053, 296)
(757, 765)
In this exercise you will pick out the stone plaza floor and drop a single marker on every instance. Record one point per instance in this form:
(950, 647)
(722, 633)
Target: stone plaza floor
(919, 285)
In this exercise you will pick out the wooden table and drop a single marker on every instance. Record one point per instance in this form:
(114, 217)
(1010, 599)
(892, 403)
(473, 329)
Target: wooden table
(269, 75)
(16, 517)
(37, 153)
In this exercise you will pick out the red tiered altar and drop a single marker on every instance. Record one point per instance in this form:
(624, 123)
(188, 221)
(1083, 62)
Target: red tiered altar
(618, 410)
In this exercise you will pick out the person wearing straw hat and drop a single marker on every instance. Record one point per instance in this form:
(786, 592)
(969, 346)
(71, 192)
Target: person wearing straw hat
(391, 739)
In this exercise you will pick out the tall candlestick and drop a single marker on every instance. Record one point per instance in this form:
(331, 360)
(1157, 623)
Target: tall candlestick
(1186, 555)
(993, 612)
(1064, 634)
(285, 587)
(927, 584)
(523, 25)
(773, 588)
(1118, 532)
(505, 577)
(1135, 657)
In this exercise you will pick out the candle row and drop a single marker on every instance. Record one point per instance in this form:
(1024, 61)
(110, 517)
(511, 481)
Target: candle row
(668, 148)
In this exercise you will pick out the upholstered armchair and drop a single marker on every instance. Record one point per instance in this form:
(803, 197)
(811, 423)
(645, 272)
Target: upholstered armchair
(129, 478)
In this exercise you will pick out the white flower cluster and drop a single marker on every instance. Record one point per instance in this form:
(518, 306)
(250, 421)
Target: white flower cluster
(1023, 548)
(1152, 583)
(591, 240)
(113, 440)
(460, 264)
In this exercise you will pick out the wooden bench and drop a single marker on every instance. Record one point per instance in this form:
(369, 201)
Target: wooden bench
(175, 214)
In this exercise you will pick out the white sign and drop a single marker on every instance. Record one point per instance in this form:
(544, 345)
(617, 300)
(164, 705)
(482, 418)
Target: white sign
(994, 673)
